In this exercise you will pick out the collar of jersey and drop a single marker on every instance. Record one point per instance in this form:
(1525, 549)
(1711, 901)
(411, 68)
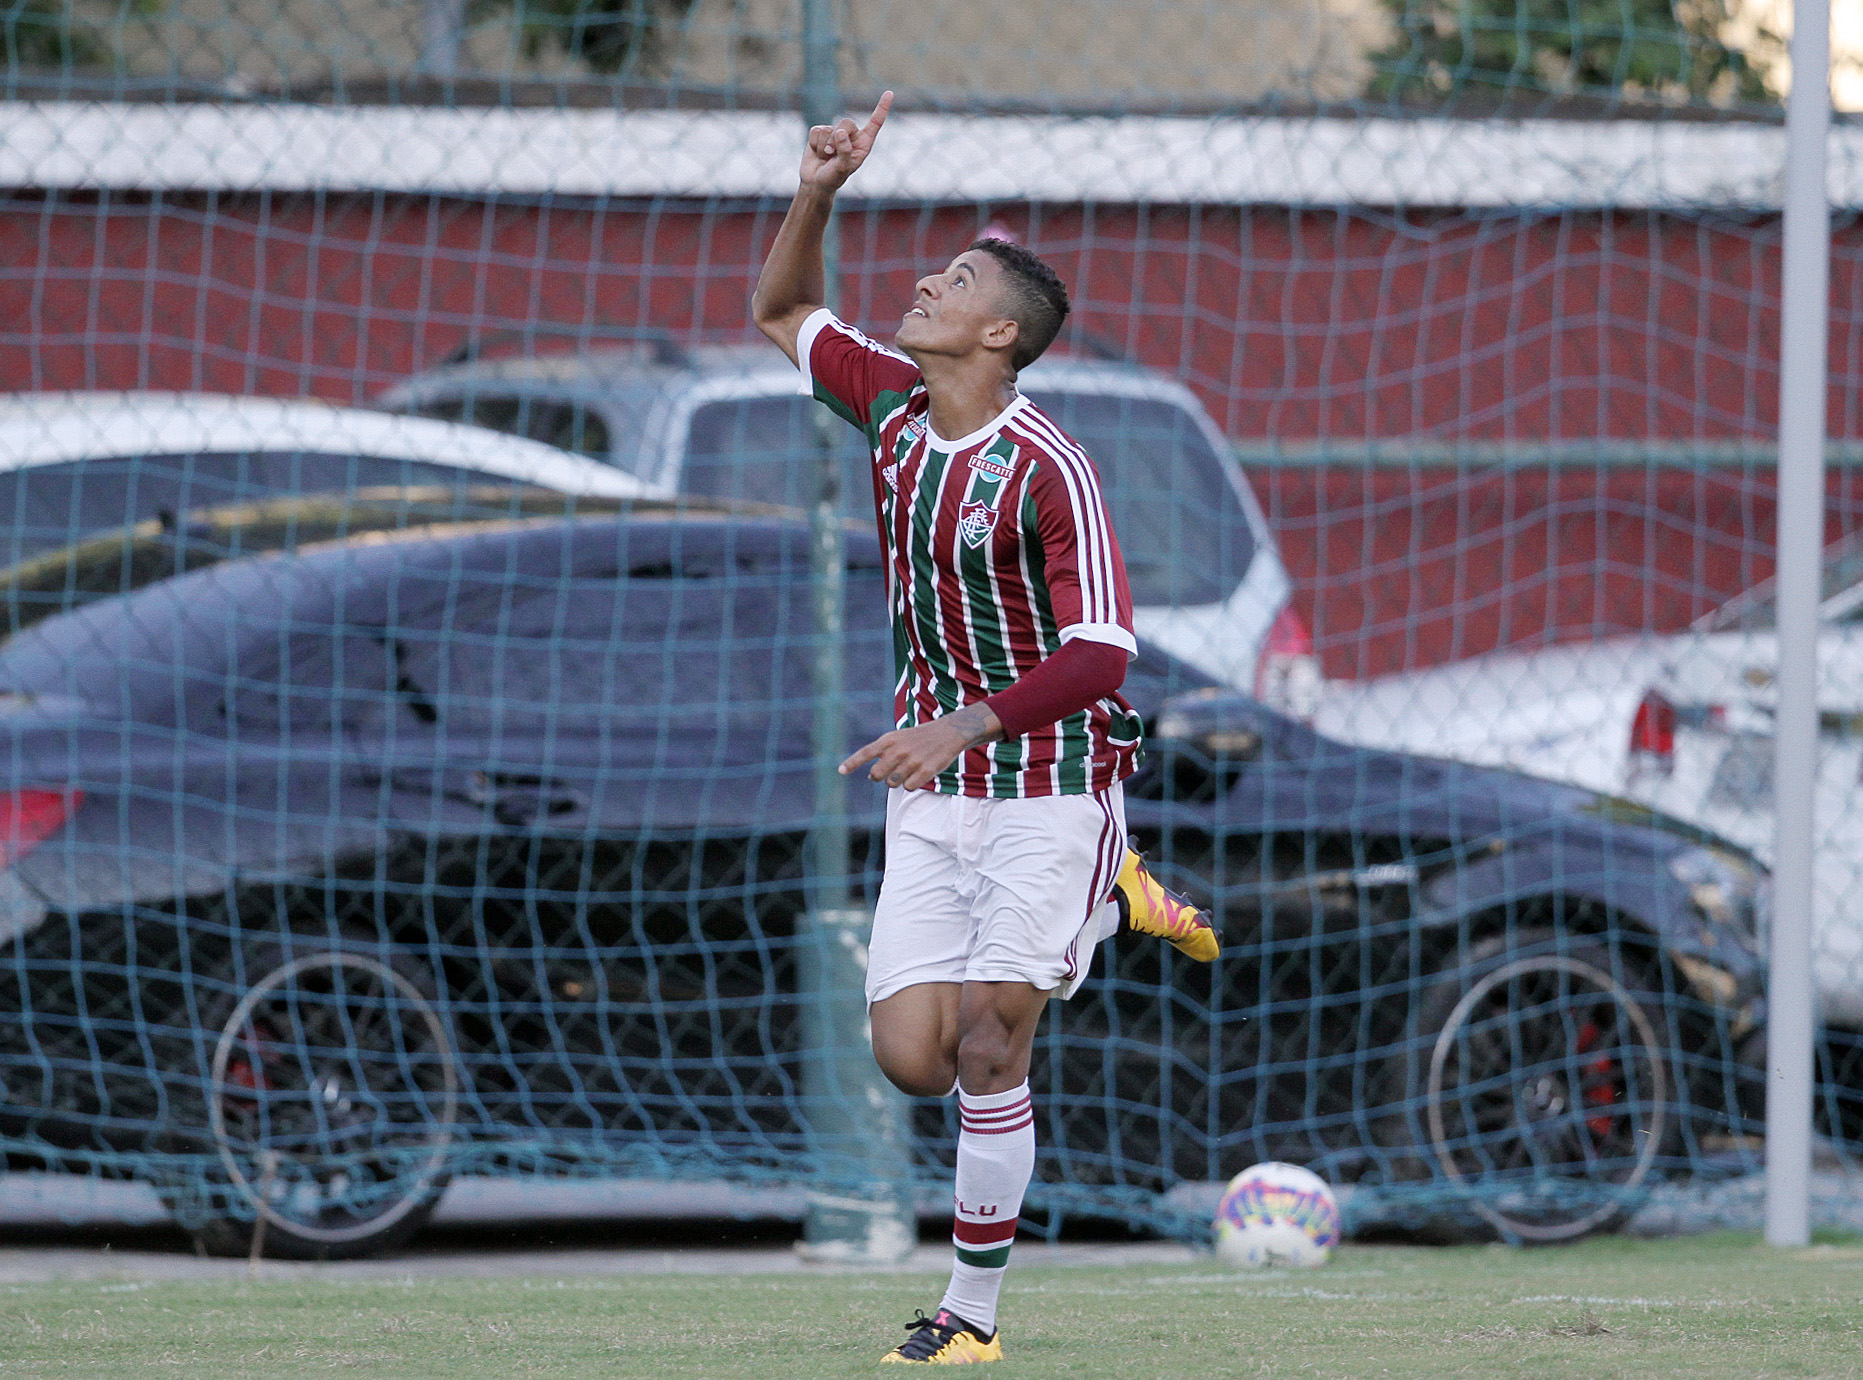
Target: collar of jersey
(982, 433)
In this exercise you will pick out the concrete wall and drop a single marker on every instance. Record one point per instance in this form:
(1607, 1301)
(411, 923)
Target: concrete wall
(1077, 52)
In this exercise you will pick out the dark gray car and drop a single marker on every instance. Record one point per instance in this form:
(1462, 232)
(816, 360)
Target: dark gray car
(478, 849)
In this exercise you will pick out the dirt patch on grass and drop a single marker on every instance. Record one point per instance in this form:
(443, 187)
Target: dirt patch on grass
(1587, 1324)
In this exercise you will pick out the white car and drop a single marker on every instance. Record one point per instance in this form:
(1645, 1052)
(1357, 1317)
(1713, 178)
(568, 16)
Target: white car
(1701, 748)
(1682, 724)
(1563, 712)
(76, 464)
(727, 422)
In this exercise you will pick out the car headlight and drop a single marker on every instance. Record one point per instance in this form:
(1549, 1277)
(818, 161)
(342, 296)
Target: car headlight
(1725, 887)
(1186, 720)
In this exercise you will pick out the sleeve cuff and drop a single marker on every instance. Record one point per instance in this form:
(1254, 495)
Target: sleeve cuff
(1110, 633)
(812, 327)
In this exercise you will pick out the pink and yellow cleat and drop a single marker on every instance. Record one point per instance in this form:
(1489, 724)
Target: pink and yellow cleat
(946, 1340)
(1148, 906)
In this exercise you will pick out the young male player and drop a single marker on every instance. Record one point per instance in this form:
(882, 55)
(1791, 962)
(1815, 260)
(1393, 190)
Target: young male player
(1005, 827)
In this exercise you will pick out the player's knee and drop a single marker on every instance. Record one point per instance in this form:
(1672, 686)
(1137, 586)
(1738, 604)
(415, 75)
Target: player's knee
(919, 1081)
(988, 1060)
(915, 1072)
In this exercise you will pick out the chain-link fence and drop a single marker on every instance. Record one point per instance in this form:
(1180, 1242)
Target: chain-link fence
(412, 696)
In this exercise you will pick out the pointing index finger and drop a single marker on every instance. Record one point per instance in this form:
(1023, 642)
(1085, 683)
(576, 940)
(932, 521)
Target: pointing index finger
(880, 112)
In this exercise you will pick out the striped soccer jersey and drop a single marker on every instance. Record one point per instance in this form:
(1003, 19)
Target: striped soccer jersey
(998, 551)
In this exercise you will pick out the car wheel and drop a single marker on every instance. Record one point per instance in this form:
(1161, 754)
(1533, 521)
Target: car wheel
(330, 1104)
(1544, 1087)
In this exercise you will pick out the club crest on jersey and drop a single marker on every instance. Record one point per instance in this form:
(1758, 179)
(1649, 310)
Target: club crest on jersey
(975, 521)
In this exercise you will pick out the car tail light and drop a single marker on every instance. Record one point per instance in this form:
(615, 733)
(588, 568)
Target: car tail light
(1288, 674)
(1652, 733)
(28, 818)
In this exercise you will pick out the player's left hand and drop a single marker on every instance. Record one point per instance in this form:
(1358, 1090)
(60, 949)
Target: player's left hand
(911, 758)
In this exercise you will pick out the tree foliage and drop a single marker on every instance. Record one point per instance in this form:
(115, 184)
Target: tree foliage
(45, 34)
(616, 37)
(1649, 49)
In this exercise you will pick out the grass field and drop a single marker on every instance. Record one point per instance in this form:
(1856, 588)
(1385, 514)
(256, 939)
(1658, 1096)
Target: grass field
(1695, 1309)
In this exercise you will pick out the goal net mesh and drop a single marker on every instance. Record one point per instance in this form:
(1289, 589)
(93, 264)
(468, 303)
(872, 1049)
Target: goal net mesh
(413, 698)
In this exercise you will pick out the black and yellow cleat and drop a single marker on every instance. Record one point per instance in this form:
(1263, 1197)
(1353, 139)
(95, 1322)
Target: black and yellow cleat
(1148, 906)
(946, 1340)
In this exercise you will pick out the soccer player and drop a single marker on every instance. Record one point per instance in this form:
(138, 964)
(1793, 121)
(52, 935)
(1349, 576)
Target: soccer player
(1006, 856)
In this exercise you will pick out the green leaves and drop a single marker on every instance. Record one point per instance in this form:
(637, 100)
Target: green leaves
(1639, 50)
(42, 34)
(615, 37)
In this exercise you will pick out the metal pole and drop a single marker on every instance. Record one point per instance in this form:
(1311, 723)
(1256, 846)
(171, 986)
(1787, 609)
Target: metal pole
(1804, 329)
(861, 1210)
(442, 22)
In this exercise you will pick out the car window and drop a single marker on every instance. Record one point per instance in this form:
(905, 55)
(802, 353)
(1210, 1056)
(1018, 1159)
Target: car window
(763, 450)
(1840, 587)
(49, 506)
(568, 425)
(1181, 525)
(593, 655)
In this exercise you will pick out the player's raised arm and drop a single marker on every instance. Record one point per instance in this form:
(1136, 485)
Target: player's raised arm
(791, 284)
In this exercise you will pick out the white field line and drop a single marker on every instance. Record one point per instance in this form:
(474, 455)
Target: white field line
(1633, 1302)
(1320, 161)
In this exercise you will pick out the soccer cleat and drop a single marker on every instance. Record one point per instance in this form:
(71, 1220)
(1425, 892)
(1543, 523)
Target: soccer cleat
(946, 1340)
(1148, 906)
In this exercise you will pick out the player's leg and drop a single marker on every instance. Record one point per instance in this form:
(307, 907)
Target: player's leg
(921, 938)
(996, 1023)
(915, 1037)
(1043, 870)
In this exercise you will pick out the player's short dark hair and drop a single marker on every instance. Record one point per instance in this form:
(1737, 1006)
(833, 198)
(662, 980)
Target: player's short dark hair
(1037, 299)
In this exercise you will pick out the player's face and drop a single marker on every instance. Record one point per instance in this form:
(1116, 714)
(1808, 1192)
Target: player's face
(953, 311)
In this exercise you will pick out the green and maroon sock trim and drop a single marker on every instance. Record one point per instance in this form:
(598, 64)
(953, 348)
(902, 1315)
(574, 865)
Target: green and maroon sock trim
(984, 1244)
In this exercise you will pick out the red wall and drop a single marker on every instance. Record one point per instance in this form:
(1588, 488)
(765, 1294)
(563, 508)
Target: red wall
(1293, 326)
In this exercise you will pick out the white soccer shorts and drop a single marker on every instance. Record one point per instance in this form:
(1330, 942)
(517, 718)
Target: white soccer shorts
(995, 890)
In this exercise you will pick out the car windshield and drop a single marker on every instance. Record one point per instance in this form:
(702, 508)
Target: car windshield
(609, 429)
(1181, 525)
(1756, 609)
(763, 450)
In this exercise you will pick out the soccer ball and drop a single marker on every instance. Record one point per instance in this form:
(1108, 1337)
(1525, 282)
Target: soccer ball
(1276, 1214)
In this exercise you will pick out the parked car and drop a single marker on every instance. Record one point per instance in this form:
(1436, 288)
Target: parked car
(1699, 743)
(477, 847)
(1561, 712)
(127, 558)
(728, 423)
(76, 464)
(1682, 723)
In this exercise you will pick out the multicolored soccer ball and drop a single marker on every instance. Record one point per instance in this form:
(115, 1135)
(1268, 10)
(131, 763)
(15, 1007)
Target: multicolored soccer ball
(1276, 1214)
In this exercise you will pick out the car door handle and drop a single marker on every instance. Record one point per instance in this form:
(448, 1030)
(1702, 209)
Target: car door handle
(512, 798)
(518, 799)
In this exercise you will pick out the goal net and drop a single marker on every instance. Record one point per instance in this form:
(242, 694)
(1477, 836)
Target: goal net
(416, 686)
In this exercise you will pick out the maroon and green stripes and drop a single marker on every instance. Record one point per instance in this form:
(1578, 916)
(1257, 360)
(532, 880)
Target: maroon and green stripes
(997, 544)
(984, 1244)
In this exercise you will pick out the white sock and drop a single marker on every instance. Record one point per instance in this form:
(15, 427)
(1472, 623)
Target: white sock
(995, 1160)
